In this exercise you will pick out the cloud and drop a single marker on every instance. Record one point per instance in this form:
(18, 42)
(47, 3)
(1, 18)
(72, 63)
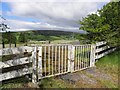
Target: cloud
(17, 25)
(53, 14)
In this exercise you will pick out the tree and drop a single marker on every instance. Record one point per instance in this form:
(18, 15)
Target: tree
(23, 37)
(8, 38)
(104, 25)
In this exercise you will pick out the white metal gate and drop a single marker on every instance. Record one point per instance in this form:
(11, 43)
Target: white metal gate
(52, 60)
(82, 57)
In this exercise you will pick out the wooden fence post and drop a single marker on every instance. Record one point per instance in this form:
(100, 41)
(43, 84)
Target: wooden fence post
(92, 55)
(34, 64)
(39, 62)
(71, 50)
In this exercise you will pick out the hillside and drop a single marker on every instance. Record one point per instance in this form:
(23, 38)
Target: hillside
(52, 32)
(38, 35)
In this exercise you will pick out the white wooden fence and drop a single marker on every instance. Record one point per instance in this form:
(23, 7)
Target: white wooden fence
(102, 49)
(51, 60)
(15, 62)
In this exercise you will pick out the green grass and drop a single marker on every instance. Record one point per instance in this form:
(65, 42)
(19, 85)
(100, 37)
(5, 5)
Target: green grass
(109, 63)
(15, 83)
(108, 84)
(53, 83)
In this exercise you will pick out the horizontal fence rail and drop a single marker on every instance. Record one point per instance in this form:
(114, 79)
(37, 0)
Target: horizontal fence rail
(8, 51)
(103, 49)
(20, 62)
(15, 73)
(15, 62)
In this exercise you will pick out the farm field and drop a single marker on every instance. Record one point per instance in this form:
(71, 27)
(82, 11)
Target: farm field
(104, 75)
(43, 42)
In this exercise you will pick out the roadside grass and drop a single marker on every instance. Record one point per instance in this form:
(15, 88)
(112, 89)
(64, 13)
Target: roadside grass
(108, 84)
(54, 82)
(109, 63)
(15, 83)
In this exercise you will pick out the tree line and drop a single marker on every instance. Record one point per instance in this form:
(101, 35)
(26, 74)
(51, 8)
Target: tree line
(13, 38)
(104, 25)
(24, 37)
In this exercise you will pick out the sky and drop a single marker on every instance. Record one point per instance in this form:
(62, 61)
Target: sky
(62, 15)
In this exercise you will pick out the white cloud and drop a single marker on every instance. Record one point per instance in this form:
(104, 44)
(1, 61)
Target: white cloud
(54, 14)
(17, 25)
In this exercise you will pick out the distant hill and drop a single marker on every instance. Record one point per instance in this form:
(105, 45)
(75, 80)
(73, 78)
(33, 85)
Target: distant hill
(52, 32)
(38, 35)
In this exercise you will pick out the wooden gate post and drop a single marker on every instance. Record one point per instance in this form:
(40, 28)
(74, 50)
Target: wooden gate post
(34, 66)
(39, 62)
(71, 50)
(92, 55)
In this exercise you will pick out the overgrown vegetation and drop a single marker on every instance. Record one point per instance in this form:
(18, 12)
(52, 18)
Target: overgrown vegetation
(103, 25)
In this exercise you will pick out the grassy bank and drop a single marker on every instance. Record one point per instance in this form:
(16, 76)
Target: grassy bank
(109, 63)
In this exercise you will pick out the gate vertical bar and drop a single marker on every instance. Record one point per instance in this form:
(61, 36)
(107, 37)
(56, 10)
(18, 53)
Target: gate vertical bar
(69, 57)
(92, 55)
(65, 58)
(39, 62)
(80, 58)
(59, 61)
(62, 60)
(49, 47)
(52, 59)
(44, 63)
(55, 58)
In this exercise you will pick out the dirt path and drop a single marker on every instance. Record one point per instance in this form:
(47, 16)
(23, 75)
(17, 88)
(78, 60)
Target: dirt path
(90, 78)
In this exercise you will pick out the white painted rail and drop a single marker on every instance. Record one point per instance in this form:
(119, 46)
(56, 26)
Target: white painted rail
(25, 60)
(9, 51)
(102, 49)
(104, 53)
(15, 62)
(14, 74)
(100, 43)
